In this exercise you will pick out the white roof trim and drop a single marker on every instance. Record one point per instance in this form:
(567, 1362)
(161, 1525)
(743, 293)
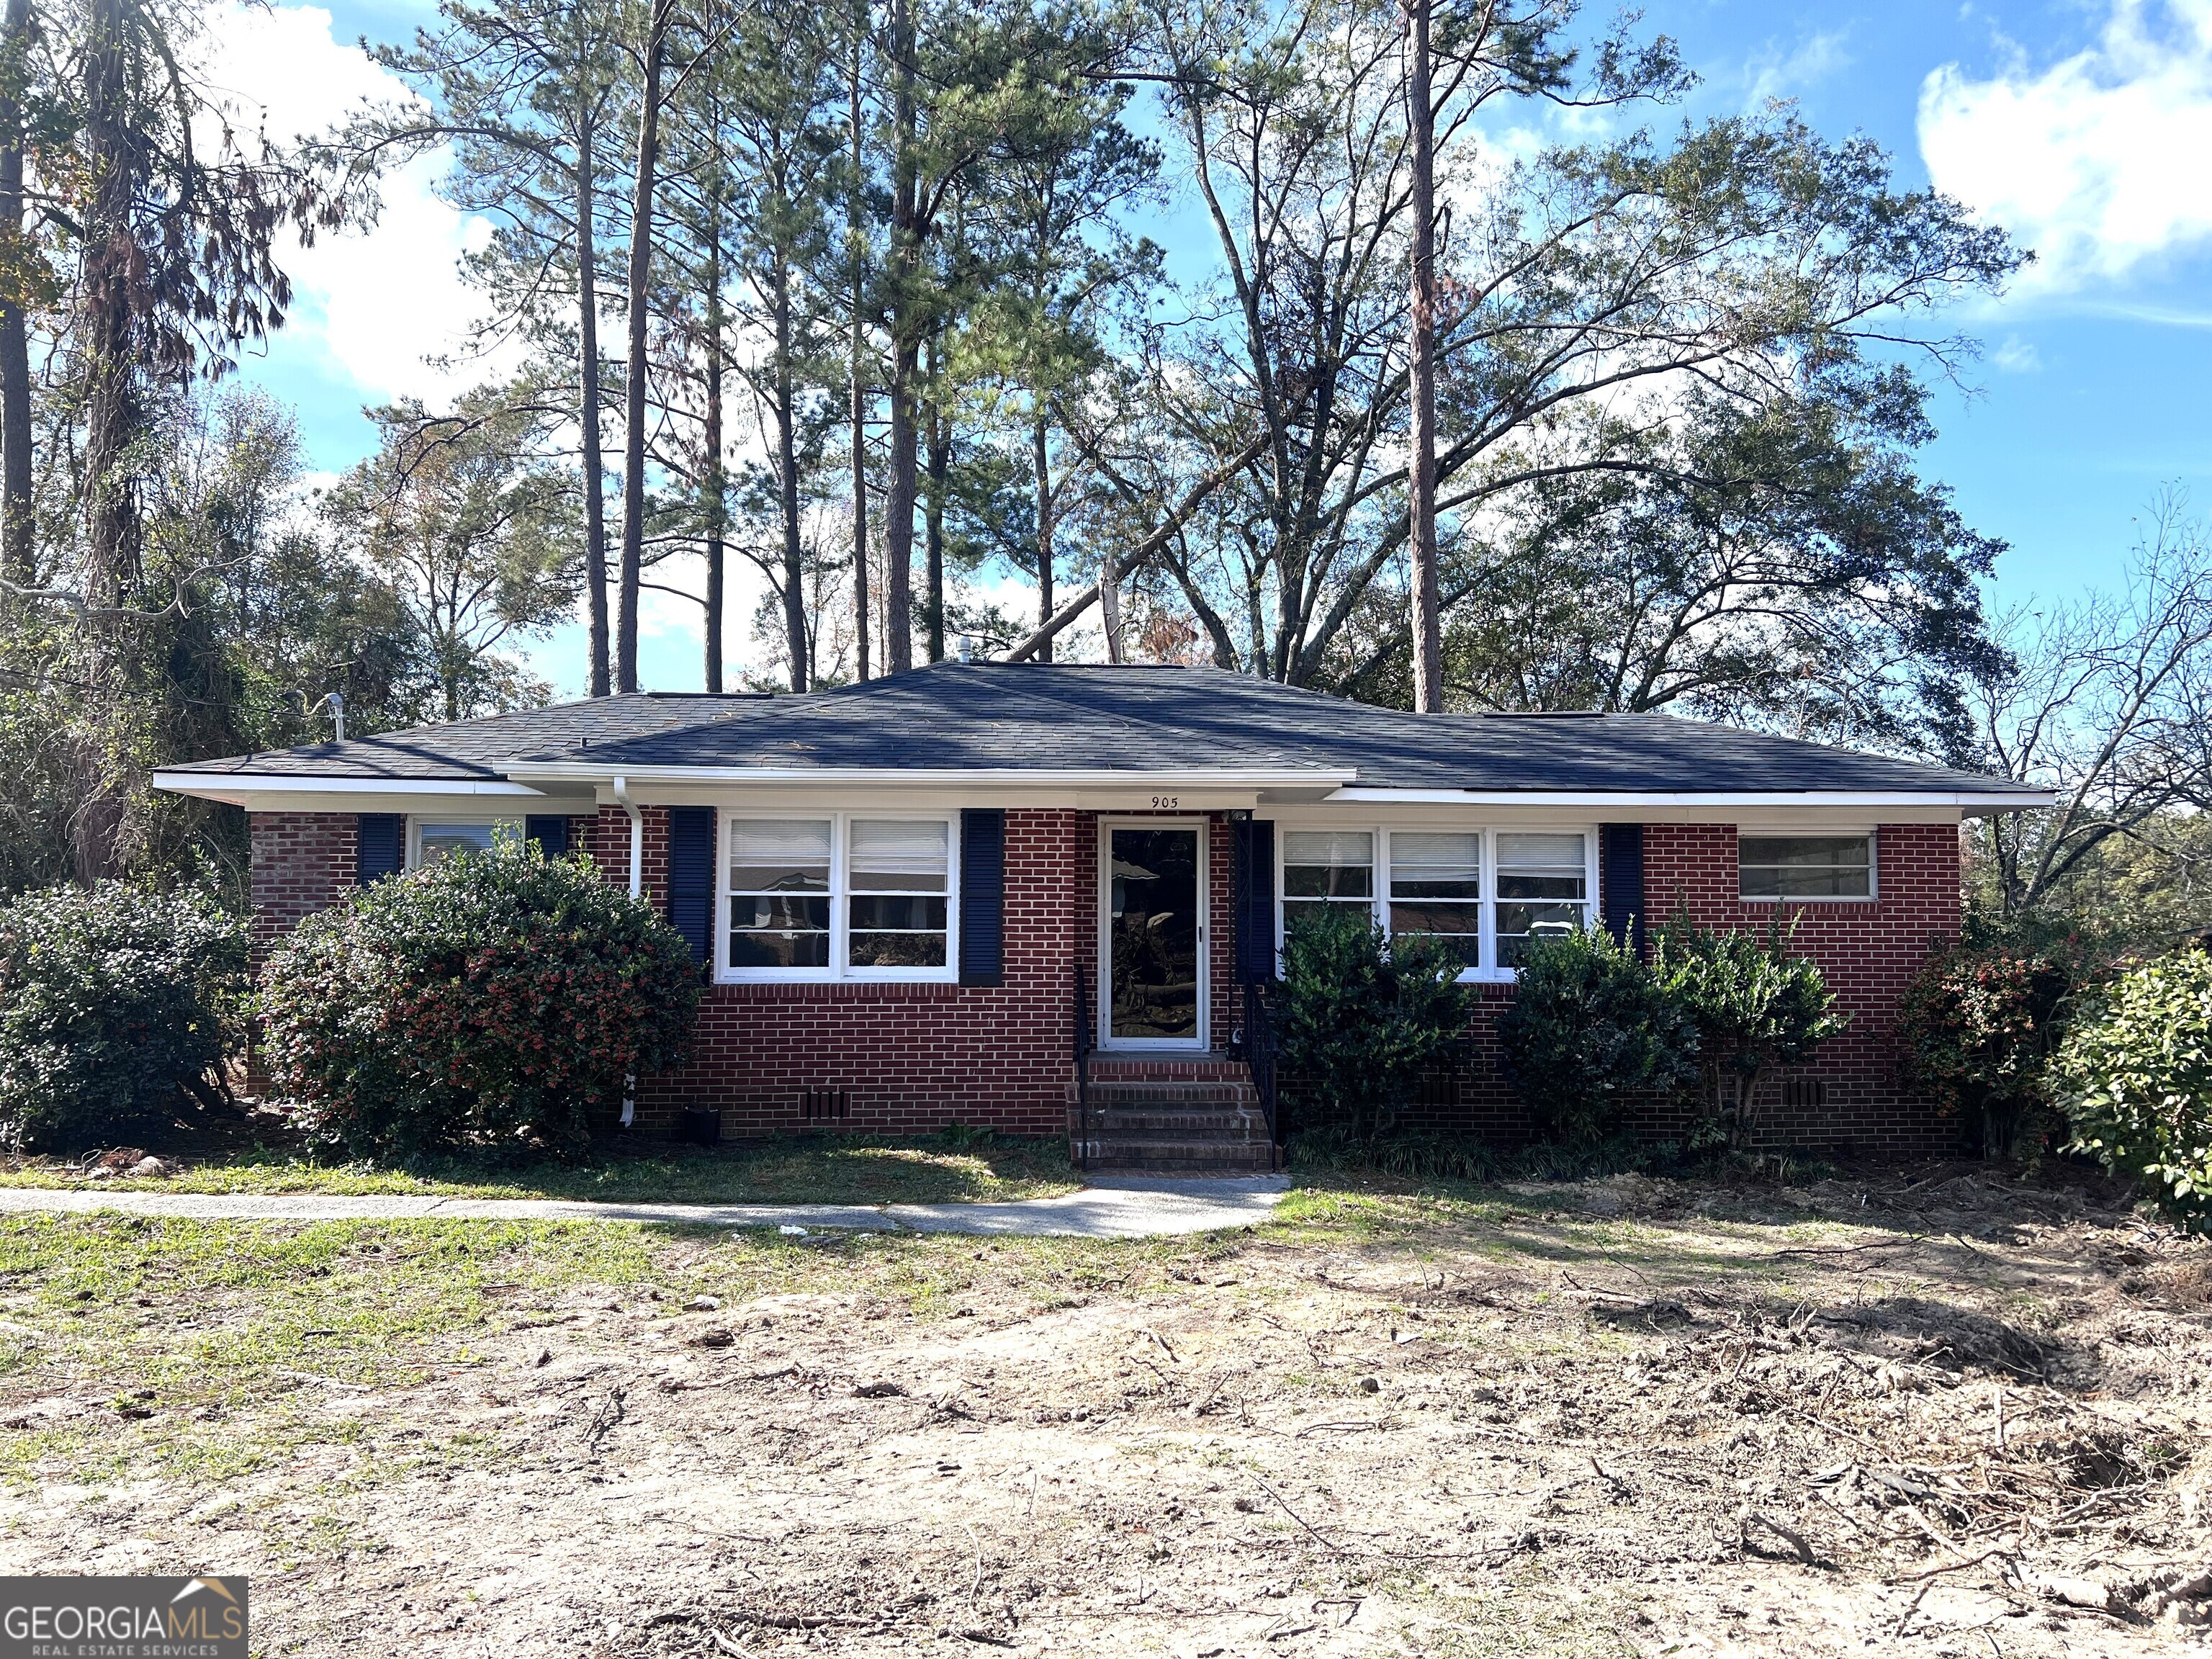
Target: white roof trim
(306, 784)
(1859, 799)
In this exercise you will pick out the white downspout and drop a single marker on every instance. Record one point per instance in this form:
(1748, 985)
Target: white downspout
(636, 890)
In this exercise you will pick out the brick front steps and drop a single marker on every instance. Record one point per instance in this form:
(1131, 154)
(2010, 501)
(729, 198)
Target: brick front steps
(1160, 1117)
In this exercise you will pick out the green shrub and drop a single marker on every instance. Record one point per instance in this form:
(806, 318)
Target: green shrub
(1588, 1027)
(117, 1005)
(1754, 1006)
(2134, 1075)
(1363, 1015)
(491, 1000)
(1978, 1028)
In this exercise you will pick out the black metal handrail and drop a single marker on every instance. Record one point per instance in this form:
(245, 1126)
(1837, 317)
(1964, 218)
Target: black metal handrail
(1085, 1040)
(1262, 1046)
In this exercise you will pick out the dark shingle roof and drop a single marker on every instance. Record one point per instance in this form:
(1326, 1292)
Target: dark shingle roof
(480, 748)
(1038, 717)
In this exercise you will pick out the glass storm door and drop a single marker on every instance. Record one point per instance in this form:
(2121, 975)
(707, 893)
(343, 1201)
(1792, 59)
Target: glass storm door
(1154, 888)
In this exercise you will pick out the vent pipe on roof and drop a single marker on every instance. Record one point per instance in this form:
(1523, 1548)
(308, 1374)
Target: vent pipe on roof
(636, 890)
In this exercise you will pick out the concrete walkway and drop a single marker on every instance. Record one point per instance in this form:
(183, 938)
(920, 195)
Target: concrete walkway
(1129, 1207)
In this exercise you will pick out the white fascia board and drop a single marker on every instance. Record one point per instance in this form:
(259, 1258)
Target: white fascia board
(267, 782)
(936, 778)
(265, 792)
(1832, 800)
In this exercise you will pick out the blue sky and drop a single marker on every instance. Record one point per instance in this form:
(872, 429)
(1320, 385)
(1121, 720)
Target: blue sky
(2086, 129)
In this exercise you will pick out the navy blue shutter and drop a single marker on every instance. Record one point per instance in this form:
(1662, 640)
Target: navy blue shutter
(691, 877)
(1621, 880)
(551, 835)
(1252, 843)
(382, 848)
(982, 895)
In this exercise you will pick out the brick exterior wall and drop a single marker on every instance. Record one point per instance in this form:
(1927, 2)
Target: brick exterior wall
(912, 1058)
(302, 862)
(1868, 950)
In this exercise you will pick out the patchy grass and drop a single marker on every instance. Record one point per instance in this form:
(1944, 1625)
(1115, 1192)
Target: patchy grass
(1407, 1416)
(811, 1170)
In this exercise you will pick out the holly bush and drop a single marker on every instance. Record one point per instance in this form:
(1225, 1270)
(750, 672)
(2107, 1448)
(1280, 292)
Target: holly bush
(1588, 1028)
(1977, 1030)
(2134, 1076)
(117, 1005)
(490, 999)
(1363, 1015)
(1755, 1006)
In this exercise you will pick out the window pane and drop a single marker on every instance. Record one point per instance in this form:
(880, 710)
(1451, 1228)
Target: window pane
(890, 856)
(898, 950)
(913, 912)
(1440, 866)
(1805, 866)
(780, 855)
(788, 912)
(773, 950)
(1328, 863)
(1435, 917)
(1518, 923)
(440, 841)
(1328, 847)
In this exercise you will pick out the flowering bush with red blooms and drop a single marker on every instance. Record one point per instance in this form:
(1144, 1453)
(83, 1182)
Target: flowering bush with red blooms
(491, 1000)
(1977, 1029)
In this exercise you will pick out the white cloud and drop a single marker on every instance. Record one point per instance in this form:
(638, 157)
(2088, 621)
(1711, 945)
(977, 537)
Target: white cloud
(1778, 74)
(2097, 162)
(2017, 356)
(373, 306)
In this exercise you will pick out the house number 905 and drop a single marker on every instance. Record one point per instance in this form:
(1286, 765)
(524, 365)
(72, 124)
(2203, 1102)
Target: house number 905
(1166, 803)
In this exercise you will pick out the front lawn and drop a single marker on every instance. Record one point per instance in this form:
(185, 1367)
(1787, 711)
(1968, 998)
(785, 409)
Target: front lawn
(1623, 1418)
(808, 1169)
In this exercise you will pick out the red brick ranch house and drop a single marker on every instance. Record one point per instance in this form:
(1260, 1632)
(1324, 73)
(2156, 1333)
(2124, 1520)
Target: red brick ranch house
(1033, 897)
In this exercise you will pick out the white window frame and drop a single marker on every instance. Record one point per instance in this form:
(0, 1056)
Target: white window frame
(1798, 832)
(1486, 972)
(840, 900)
(416, 820)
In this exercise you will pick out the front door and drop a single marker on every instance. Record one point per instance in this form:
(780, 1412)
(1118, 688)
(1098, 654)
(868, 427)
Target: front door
(1152, 886)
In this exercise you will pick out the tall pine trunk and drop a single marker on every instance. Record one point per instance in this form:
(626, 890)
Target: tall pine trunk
(18, 555)
(906, 350)
(856, 244)
(113, 408)
(1110, 605)
(587, 410)
(108, 341)
(932, 517)
(714, 486)
(786, 466)
(634, 395)
(1421, 371)
(1041, 470)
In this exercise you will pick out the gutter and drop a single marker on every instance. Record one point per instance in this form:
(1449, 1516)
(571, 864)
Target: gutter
(1969, 800)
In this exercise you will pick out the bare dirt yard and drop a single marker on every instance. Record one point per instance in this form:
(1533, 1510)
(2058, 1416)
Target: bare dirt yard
(1939, 1414)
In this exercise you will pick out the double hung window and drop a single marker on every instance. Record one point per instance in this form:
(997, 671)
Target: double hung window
(1543, 888)
(1486, 892)
(1436, 887)
(838, 894)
